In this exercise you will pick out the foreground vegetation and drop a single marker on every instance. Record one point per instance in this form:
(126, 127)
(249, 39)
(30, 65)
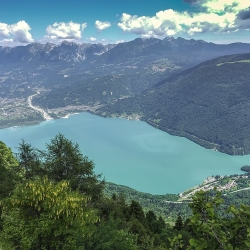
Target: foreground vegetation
(52, 199)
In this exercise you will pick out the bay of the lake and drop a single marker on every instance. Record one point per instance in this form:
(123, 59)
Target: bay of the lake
(132, 153)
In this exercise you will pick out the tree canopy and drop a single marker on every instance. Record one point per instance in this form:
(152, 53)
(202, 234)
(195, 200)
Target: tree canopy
(52, 200)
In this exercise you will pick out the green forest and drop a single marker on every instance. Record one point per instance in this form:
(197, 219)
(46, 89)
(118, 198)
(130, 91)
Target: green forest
(52, 199)
(207, 104)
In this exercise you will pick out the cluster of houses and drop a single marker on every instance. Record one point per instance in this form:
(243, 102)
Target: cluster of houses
(211, 183)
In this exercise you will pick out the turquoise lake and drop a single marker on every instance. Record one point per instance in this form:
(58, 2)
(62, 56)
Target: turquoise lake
(132, 153)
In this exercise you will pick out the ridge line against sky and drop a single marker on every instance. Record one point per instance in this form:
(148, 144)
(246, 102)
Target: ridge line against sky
(114, 21)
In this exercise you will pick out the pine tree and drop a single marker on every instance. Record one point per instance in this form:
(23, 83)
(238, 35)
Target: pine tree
(179, 223)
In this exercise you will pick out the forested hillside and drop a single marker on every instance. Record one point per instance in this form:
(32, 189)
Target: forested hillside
(71, 77)
(52, 199)
(208, 104)
(94, 91)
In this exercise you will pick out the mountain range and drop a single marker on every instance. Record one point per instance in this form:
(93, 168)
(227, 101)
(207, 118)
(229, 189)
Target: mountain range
(142, 61)
(66, 51)
(169, 83)
(186, 52)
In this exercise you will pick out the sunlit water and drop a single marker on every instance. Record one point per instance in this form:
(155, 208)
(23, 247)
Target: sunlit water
(133, 153)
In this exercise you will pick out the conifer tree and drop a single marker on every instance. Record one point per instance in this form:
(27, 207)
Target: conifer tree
(179, 223)
(63, 160)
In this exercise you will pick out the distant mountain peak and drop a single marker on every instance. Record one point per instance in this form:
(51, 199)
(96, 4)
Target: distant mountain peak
(169, 38)
(66, 51)
(167, 48)
(69, 43)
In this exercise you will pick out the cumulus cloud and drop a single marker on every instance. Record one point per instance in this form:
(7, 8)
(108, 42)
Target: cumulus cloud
(215, 16)
(102, 25)
(68, 30)
(4, 30)
(222, 6)
(19, 31)
(92, 39)
(166, 22)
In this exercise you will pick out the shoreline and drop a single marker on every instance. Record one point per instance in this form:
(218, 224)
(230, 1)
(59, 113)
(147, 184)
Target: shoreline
(65, 117)
(68, 115)
(201, 142)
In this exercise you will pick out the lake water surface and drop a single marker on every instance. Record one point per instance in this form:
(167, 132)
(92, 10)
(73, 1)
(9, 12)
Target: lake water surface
(132, 153)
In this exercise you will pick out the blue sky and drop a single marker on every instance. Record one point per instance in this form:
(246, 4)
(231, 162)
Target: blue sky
(112, 21)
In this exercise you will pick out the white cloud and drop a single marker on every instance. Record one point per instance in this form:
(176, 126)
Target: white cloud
(119, 41)
(215, 16)
(4, 30)
(7, 42)
(92, 39)
(68, 30)
(166, 22)
(19, 31)
(223, 6)
(102, 25)
(84, 26)
(50, 39)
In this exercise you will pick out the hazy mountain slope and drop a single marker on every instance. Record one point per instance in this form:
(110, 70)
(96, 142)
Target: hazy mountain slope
(140, 64)
(208, 104)
(89, 92)
(66, 51)
(182, 52)
(146, 61)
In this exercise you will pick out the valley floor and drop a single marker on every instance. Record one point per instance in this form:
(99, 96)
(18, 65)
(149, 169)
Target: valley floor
(45, 115)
